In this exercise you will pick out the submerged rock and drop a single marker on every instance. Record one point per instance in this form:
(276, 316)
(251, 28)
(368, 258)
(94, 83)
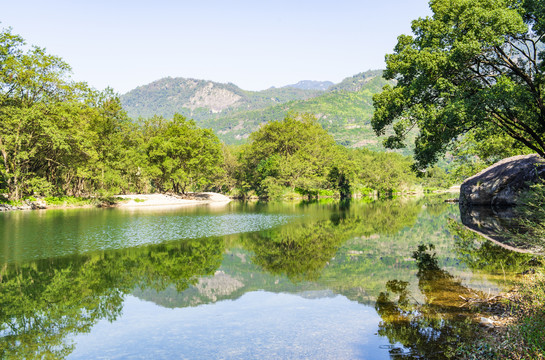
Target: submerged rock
(502, 183)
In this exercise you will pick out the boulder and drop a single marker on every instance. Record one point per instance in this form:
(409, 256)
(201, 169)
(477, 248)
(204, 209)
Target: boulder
(502, 183)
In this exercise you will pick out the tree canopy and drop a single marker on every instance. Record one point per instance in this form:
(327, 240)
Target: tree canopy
(472, 65)
(294, 152)
(60, 137)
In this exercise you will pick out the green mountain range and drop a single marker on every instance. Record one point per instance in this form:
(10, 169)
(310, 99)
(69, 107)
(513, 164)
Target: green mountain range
(344, 109)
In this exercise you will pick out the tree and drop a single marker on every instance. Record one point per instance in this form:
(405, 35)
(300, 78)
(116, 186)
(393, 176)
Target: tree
(57, 136)
(293, 153)
(475, 64)
(181, 156)
(42, 130)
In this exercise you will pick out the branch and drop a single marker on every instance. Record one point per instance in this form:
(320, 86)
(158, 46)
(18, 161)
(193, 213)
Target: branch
(511, 65)
(512, 125)
(526, 55)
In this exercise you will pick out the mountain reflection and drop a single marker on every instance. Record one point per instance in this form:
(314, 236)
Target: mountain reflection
(43, 302)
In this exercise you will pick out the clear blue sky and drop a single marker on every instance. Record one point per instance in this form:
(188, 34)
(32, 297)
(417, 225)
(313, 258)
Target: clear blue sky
(254, 44)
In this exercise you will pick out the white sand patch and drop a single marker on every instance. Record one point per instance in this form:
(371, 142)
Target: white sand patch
(170, 200)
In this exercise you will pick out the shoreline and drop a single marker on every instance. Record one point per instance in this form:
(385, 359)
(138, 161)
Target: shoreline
(141, 201)
(171, 200)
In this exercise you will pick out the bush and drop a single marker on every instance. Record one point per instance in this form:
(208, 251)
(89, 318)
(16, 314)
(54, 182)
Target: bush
(69, 200)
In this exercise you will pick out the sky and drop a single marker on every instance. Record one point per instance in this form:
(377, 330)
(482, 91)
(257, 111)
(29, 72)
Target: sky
(253, 44)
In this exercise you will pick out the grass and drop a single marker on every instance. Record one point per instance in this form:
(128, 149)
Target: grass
(69, 201)
(524, 337)
(82, 201)
(531, 309)
(5, 200)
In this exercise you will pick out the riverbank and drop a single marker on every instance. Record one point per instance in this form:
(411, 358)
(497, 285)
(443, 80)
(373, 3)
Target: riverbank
(170, 200)
(512, 323)
(121, 201)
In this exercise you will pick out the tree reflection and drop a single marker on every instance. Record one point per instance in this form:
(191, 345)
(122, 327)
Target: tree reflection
(43, 303)
(431, 330)
(302, 251)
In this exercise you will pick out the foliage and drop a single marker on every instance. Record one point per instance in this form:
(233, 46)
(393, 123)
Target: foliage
(532, 316)
(471, 66)
(58, 137)
(293, 153)
(180, 155)
(61, 138)
(299, 155)
(436, 177)
(68, 200)
(477, 150)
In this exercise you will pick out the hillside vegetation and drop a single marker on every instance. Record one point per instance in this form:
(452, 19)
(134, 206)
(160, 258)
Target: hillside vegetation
(344, 109)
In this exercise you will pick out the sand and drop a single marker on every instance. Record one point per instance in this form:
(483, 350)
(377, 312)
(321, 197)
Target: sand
(170, 200)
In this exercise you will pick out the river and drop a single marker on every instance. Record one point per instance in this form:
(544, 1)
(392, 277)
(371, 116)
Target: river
(310, 280)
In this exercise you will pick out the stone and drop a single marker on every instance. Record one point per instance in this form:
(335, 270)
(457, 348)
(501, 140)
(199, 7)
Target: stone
(38, 205)
(502, 183)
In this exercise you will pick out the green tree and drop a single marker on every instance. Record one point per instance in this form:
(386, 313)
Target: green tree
(472, 65)
(33, 87)
(181, 156)
(293, 153)
(478, 150)
(57, 136)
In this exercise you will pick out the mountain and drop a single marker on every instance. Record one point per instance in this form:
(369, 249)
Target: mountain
(356, 82)
(311, 85)
(203, 99)
(344, 109)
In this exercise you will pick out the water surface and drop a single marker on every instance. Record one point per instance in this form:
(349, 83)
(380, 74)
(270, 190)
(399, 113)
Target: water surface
(326, 280)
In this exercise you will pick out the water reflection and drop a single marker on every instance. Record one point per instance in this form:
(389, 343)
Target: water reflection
(501, 226)
(433, 329)
(484, 256)
(43, 302)
(326, 250)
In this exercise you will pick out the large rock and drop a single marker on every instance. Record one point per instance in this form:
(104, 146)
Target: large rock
(502, 183)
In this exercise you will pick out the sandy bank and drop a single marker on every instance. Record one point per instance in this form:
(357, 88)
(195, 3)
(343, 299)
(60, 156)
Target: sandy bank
(171, 200)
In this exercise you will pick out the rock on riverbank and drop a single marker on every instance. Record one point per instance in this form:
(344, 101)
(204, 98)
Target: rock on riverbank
(502, 183)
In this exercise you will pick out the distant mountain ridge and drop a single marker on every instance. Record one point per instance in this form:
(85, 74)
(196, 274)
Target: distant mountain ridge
(345, 113)
(200, 99)
(311, 85)
(344, 109)
(357, 82)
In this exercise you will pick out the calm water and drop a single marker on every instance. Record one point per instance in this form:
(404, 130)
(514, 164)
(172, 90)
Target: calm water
(245, 281)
